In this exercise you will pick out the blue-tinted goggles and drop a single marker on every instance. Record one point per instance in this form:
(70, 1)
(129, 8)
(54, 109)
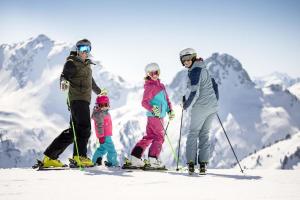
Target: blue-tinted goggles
(85, 48)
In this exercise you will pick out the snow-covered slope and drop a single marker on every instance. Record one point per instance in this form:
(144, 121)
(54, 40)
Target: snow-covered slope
(276, 78)
(33, 111)
(283, 154)
(27, 184)
(295, 90)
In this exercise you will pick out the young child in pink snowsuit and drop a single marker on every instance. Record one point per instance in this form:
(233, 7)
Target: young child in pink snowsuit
(157, 103)
(103, 129)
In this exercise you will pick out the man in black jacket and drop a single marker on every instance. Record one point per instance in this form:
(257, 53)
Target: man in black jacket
(77, 78)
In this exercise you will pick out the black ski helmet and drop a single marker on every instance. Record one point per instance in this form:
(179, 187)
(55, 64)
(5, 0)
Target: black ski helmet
(84, 42)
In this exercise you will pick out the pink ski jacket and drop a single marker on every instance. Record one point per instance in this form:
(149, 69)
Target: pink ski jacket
(102, 122)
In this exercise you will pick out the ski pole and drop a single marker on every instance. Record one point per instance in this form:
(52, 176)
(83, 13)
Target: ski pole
(230, 143)
(165, 130)
(177, 169)
(74, 134)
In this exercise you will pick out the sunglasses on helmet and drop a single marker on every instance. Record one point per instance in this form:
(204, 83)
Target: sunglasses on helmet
(152, 73)
(84, 48)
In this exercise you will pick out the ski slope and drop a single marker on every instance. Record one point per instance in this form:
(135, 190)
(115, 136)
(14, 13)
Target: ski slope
(281, 155)
(103, 183)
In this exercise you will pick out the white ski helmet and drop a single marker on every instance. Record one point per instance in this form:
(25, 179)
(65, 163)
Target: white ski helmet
(188, 52)
(151, 67)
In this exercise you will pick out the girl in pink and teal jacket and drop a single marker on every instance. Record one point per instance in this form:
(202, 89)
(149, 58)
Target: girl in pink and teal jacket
(157, 103)
(103, 130)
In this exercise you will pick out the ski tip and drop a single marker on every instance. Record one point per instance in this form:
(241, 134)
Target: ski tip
(38, 164)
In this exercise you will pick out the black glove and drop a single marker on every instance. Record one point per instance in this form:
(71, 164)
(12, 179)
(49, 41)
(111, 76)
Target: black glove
(183, 103)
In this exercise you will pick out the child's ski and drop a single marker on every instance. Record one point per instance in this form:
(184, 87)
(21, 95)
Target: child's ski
(131, 167)
(149, 168)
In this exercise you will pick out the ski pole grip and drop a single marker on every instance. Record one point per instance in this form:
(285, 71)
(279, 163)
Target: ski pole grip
(183, 99)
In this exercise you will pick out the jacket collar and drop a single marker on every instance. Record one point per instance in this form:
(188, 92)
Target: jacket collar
(152, 82)
(197, 63)
(73, 55)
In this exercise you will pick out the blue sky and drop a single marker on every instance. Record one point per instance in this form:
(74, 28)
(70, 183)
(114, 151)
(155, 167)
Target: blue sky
(128, 34)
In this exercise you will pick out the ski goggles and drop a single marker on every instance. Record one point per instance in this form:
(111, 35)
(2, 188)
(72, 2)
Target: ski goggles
(186, 58)
(152, 73)
(102, 105)
(84, 48)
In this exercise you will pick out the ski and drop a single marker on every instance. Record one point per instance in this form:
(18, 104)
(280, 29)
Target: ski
(144, 168)
(130, 167)
(149, 168)
(52, 168)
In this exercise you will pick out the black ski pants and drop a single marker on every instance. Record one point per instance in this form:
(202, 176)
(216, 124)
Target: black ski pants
(80, 115)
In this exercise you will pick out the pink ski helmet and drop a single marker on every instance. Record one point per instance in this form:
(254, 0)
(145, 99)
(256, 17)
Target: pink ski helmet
(102, 100)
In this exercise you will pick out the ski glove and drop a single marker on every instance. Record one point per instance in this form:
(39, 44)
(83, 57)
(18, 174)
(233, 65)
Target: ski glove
(171, 115)
(64, 85)
(183, 101)
(102, 140)
(103, 92)
(155, 111)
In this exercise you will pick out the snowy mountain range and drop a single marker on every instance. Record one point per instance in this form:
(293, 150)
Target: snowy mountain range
(276, 78)
(33, 110)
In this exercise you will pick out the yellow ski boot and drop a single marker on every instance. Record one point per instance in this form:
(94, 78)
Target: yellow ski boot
(48, 162)
(83, 161)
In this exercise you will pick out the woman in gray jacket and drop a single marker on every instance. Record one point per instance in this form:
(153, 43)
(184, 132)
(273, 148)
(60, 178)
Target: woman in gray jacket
(203, 103)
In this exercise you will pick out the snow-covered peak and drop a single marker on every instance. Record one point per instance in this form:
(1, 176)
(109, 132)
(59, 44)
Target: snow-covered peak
(228, 71)
(35, 42)
(26, 60)
(295, 90)
(276, 78)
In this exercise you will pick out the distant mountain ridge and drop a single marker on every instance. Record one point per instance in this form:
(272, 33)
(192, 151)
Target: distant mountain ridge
(276, 78)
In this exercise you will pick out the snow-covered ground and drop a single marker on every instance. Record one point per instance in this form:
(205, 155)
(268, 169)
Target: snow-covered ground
(103, 183)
